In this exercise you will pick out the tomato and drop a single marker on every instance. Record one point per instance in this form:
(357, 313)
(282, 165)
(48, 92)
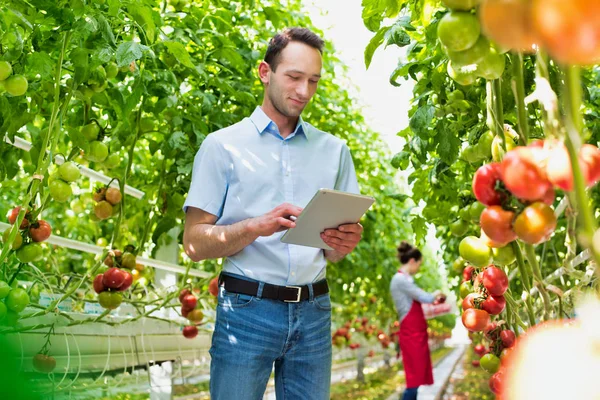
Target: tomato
(5, 70)
(16, 85)
(17, 242)
(535, 224)
(492, 244)
(196, 316)
(90, 131)
(491, 331)
(480, 349)
(98, 285)
(508, 23)
(468, 273)
(112, 70)
(458, 31)
(511, 139)
(103, 210)
(40, 230)
(44, 363)
(521, 175)
(475, 251)
(3, 311)
(495, 281)
(570, 31)
(99, 194)
(497, 224)
(17, 300)
(496, 382)
(504, 255)
(113, 195)
(4, 289)
(475, 363)
(459, 227)
(472, 300)
(113, 160)
(590, 156)
(60, 191)
(494, 305)
(69, 172)
(30, 253)
(190, 332)
(113, 278)
(475, 210)
(189, 301)
(127, 282)
(98, 151)
(465, 289)
(463, 5)
(213, 286)
(461, 75)
(508, 338)
(110, 300)
(490, 363)
(484, 184)
(549, 196)
(475, 320)
(128, 260)
(491, 66)
(472, 55)
(12, 217)
(484, 145)
(560, 173)
(478, 280)
(183, 293)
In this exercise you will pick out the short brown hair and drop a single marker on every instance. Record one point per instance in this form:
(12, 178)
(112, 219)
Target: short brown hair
(279, 41)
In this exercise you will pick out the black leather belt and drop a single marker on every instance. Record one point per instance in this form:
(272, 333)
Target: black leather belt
(289, 294)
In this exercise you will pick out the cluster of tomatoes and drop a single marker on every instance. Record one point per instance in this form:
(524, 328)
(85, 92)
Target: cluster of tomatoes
(13, 300)
(519, 190)
(59, 183)
(343, 335)
(107, 199)
(471, 54)
(15, 85)
(26, 243)
(97, 150)
(487, 297)
(116, 279)
(190, 310)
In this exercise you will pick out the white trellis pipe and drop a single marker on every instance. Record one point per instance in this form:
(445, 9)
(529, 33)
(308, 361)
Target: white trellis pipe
(90, 173)
(93, 249)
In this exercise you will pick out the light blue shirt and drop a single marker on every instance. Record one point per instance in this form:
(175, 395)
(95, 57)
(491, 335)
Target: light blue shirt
(248, 169)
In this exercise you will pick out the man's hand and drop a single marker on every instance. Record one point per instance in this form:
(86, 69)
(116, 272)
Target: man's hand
(343, 239)
(276, 220)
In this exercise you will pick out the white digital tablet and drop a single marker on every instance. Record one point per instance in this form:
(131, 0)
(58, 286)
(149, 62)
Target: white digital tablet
(326, 210)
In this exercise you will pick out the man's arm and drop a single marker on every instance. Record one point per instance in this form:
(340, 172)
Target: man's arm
(343, 240)
(202, 239)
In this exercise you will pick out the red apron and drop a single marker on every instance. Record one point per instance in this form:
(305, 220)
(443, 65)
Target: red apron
(413, 341)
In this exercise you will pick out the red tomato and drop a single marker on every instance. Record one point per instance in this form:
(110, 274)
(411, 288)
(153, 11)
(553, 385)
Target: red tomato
(127, 282)
(497, 224)
(496, 382)
(183, 293)
(495, 281)
(484, 184)
(44, 363)
(479, 349)
(489, 242)
(113, 278)
(508, 338)
(475, 320)
(549, 197)
(535, 224)
(508, 23)
(468, 272)
(189, 302)
(213, 286)
(40, 231)
(190, 331)
(494, 304)
(12, 217)
(98, 285)
(521, 175)
(471, 301)
(590, 156)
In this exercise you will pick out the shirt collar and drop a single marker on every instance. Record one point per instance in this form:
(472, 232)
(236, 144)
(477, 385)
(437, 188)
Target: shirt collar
(264, 124)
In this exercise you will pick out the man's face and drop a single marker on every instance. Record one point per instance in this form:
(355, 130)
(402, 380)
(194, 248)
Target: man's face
(294, 83)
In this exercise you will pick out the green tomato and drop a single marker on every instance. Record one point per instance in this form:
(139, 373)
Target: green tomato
(492, 66)
(472, 55)
(17, 242)
(462, 5)
(456, 95)
(3, 311)
(458, 265)
(30, 253)
(111, 70)
(17, 300)
(91, 131)
(98, 151)
(462, 76)
(490, 363)
(69, 172)
(475, 211)
(110, 300)
(470, 154)
(459, 227)
(102, 242)
(5, 70)
(464, 214)
(4, 289)
(16, 85)
(504, 255)
(465, 289)
(97, 76)
(112, 161)
(511, 138)
(475, 251)
(60, 190)
(458, 31)
(484, 145)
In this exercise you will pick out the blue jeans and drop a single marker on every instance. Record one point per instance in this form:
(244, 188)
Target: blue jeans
(410, 393)
(253, 333)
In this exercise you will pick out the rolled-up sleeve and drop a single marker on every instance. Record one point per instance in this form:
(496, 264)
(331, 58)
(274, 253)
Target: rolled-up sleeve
(412, 290)
(210, 178)
(346, 180)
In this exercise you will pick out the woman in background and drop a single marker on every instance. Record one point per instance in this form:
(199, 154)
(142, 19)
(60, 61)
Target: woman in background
(413, 338)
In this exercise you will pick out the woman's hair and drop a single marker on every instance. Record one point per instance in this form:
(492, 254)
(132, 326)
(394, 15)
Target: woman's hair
(406, 251)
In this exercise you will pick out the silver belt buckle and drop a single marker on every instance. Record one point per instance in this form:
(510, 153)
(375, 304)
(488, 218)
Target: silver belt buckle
(298, 296)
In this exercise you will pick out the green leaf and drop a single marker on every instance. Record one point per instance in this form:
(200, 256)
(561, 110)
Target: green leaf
(143, 16)
(419, 226)
(40, 63)
(178, 51)
(164, 225)
(106, 30)
(421, 120)
(448, 146)
(397, 34)
(372, 14)
(128, 52)
(399, 197)
(401, 160)
(374, 44)
(113, 7)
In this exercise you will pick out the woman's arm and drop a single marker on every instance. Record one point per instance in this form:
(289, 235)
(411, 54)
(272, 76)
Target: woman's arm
(413, 291)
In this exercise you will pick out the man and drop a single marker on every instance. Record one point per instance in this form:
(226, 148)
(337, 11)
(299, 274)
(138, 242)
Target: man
(248, 183)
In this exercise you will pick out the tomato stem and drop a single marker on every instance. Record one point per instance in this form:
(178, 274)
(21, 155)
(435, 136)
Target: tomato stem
(518, 87)
(526, 280)
(494, 89)
(537, 276)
